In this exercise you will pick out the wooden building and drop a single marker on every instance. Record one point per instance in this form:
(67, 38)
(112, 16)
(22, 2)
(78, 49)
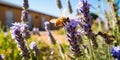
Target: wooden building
(10, 13)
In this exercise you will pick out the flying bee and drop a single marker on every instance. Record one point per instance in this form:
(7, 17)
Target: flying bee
(105, 34)
(108, 38)
(60, 21)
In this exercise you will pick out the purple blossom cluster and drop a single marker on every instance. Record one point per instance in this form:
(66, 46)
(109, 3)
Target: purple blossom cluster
(73, 24)
(17, 31)
(47, 27)
(115, 51)
(24, 16)
(25, 4)
(50, 36)
(34, 47)
(18, 28)
(2, 57)
(20, 31)
(36, 31)
(72, 36)
(84, 7)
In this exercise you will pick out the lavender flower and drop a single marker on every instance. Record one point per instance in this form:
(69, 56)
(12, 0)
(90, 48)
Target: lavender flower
(70, 27)
(115, 51)
(36, 31)
(27, 34)
(24, 16)
(47, 27)
(1, 57)
(87, 28)
(34, 47)
(50, 36)
(72, 24)
(17, 33)
(83, 6)
(25, 4)
(18, 27)
(59, 5)
(69, 6)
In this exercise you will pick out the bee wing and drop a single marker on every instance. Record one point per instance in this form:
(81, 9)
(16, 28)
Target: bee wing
(63, 14)
(53, 20)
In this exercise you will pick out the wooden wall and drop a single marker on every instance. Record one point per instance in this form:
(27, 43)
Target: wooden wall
(36, 17)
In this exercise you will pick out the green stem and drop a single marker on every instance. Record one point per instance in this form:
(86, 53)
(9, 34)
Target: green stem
(91, 50)
(77, 58)
(60, 51)
(108, 52)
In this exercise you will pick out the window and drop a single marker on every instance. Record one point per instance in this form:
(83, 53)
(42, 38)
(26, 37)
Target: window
(36, 17)
(43, 20)
(30, 22)
(9, 18)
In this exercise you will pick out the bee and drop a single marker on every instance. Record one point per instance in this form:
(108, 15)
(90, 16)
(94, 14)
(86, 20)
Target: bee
(108, 38)
(60, 21)
(106, 34)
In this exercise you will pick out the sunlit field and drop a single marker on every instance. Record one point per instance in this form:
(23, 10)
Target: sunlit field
(80, 36)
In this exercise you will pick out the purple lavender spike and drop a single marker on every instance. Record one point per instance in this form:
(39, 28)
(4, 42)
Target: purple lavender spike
(25, 4)
(72, 37)
(84, 9)
(34, 47)
(115, 51)
(24, 16)
(17, 34)
(50, 36)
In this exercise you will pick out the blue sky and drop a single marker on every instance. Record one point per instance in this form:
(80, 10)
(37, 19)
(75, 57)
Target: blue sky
(49, 6)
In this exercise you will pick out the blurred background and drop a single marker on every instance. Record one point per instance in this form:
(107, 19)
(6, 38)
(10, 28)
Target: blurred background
(44, 10)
